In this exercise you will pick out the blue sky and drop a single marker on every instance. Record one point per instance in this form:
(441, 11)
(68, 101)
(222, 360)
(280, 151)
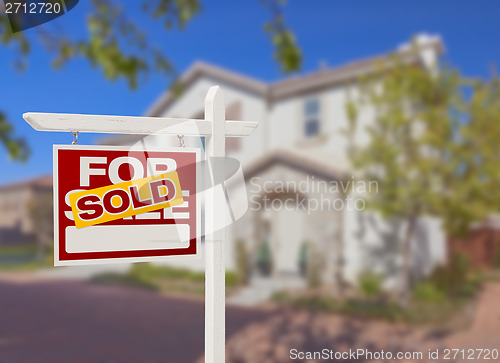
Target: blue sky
(230, 34)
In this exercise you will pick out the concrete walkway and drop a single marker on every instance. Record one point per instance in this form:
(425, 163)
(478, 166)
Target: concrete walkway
(488, 310)
(485, 330)
(261, 289)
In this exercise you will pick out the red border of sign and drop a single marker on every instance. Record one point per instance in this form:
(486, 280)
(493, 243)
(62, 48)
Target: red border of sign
(87, 258)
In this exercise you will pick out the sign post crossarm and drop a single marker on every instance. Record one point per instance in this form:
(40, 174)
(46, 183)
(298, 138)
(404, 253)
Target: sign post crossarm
(132, 124)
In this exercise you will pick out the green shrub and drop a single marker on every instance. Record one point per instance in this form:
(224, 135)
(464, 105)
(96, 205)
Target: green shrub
(303, 259)
(313, 267)
(280, 296)
(496, 256)
(472, 283)
(313, 275)
(449, 278)
(458, 279)
(366, 309)
(264, 253)
(303, 252)
(142, 271)
(153, 277)
(148, 272)
(428, 292)
(232, 279)
(315, 303)
(113, 278)
(417, 313)
(242, 263)
(370, 284)
(264, 259)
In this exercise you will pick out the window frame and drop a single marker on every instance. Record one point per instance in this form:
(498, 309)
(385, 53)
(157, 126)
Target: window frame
(311, 117)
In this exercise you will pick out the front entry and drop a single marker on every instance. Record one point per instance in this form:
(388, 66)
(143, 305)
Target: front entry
(287, 230)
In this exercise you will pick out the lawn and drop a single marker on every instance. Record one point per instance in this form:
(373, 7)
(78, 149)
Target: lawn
(164, 279)
(17, 250)
(23, 257)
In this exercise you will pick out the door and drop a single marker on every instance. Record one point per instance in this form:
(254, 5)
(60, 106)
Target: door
(288, 235)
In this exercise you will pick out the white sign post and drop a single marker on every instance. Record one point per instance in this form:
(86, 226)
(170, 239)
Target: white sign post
(215, 128)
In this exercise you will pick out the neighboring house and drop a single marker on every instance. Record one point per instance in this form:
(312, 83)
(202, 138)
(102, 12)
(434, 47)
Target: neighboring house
(15, 218)
(481, 245)
(300, 141)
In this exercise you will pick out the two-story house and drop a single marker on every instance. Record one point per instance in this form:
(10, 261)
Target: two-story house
(294, 164)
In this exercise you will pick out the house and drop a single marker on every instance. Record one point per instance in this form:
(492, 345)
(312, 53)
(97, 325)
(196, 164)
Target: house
(297, 160)
(16, 224)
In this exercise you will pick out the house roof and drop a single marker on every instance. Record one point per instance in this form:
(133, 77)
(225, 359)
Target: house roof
(199, 69)
(298, 84)
(42, 182)
(288, 87)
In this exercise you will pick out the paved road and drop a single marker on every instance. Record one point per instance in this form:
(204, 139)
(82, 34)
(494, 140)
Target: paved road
(69, 321)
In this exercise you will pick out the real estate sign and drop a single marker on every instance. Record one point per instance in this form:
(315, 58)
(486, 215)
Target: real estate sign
(116, 204)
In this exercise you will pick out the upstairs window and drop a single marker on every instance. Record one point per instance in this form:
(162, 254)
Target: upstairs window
(311, 117)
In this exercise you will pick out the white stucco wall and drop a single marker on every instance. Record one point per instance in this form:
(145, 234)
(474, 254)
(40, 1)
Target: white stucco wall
(372, 244)
(253, 108)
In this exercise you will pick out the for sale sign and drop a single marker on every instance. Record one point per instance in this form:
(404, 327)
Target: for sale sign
(115, 204)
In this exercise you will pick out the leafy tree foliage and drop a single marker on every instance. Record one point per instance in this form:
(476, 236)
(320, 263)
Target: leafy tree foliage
(116, 44)
(430, 145)
(16, 147)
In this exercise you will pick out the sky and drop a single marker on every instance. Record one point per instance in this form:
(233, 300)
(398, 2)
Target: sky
(230, 34)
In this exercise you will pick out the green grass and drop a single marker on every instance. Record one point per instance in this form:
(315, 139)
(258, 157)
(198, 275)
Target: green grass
(439, 312)
(16, 250)
(113, 278)
(163, 278)
(23, 258)
(26, 266)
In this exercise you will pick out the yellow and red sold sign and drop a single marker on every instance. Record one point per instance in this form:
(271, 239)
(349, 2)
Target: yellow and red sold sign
(117, 204)
(125, 199)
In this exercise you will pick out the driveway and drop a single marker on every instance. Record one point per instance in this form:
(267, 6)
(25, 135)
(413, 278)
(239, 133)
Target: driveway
(485, 330)
(72, 321)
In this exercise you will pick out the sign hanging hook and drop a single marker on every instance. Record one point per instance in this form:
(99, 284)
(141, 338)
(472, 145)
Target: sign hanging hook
(75, 137)
(181, 140)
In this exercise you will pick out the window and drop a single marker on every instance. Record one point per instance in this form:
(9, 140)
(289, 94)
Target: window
(311, 117)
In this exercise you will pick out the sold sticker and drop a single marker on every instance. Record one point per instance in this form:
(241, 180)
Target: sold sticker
(100, 205)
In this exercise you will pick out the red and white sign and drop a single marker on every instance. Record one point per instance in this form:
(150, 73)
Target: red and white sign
(148, 236)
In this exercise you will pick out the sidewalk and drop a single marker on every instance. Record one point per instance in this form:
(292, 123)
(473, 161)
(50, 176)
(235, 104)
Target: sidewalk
(260, 289)
(485, 330)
